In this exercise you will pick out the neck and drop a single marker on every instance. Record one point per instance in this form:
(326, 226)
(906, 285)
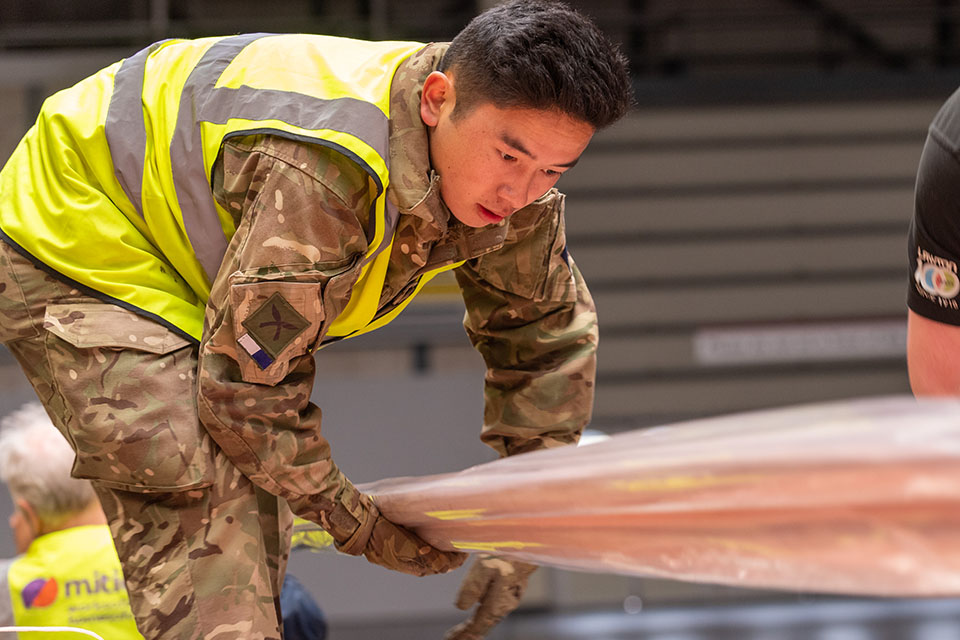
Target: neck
(91, 514)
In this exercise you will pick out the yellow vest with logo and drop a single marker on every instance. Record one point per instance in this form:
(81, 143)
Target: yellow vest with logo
(71, 578)
(111, 187)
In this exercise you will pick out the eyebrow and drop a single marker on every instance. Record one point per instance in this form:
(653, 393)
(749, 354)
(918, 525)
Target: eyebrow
(506, 138)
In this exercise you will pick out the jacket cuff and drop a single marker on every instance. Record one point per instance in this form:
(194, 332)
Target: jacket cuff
(360, 511)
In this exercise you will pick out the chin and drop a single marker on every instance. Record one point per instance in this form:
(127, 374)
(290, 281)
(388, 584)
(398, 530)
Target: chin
(467, 220)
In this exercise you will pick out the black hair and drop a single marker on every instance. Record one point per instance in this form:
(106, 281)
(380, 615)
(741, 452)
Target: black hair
(539, 54)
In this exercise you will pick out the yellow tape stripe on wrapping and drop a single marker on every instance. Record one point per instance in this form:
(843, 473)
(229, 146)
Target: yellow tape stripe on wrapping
(493, 546)
(456, 514)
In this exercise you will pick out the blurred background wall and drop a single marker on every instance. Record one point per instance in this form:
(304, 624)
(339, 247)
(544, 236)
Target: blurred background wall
(743, 233)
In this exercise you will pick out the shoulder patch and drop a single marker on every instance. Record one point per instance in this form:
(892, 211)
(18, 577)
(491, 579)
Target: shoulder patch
(275, 324)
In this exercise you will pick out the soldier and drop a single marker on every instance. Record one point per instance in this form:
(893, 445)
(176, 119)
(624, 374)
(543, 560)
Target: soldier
(184, 230)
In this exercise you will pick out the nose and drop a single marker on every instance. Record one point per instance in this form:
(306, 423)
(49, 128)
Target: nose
(516, 192)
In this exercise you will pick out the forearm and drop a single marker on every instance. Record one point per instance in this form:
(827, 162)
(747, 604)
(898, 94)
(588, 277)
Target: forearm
(541, 367)
(933, 357)
(267, 312)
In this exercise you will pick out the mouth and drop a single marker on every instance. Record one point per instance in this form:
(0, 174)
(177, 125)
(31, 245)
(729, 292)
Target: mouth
(490, 216)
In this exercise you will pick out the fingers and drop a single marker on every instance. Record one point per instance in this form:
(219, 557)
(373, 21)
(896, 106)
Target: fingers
(474, 585)
(503, 596)
(480, 622)
(497, 585)
(437, 561)
(400, 549)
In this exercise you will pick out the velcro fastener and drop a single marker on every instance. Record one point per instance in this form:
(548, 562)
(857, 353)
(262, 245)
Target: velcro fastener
(357, 543)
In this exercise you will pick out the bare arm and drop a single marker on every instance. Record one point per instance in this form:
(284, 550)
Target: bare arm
(933, 356)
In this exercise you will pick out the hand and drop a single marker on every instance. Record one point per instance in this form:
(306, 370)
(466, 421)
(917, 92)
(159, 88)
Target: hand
(388, 544)
(497, 586)
(398, 548)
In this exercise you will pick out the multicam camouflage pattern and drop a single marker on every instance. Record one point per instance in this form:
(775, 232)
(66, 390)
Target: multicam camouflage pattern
(301, 223)
(530, 408)
(180, 506)
(529, 311)
(395, 547)
(301, 233)
(120, 388)
(495, 585)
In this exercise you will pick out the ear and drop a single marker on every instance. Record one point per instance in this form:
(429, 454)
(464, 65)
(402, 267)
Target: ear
(437, 95)
(29, 514)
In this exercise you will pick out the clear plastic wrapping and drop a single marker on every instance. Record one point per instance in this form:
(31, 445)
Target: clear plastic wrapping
(857, 497)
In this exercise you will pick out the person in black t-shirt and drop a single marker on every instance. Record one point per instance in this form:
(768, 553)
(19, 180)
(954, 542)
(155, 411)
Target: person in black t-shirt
(933, 327)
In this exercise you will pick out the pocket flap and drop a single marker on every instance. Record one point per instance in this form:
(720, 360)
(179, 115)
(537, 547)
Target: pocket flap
(91, 324)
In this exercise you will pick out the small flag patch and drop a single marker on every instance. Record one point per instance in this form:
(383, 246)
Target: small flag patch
(259, 355)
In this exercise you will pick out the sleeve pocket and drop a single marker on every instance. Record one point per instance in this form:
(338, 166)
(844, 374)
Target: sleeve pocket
(274, 322)
(128, 385)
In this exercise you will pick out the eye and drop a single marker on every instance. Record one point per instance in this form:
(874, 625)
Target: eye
(552, 173)
(507, 157)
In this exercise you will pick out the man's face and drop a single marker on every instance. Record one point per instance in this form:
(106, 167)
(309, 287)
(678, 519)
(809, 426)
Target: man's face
(494, 161)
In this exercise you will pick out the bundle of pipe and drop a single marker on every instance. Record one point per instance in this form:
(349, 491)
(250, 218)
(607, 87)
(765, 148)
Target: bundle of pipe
(857, 497)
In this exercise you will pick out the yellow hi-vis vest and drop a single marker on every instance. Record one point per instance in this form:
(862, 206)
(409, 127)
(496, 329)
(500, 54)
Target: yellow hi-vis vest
(111, 187)
(70, 578)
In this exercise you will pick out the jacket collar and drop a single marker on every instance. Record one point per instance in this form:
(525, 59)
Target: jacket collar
(414, 186)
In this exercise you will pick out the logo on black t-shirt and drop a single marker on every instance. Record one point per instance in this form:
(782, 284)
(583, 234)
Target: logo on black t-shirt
(936, 278)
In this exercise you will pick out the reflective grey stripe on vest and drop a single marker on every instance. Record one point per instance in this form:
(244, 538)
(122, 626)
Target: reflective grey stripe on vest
(201, 102)
(124, 128)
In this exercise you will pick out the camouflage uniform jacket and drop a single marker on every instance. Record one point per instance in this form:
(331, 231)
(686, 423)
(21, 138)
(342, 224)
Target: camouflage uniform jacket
(302, 212)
